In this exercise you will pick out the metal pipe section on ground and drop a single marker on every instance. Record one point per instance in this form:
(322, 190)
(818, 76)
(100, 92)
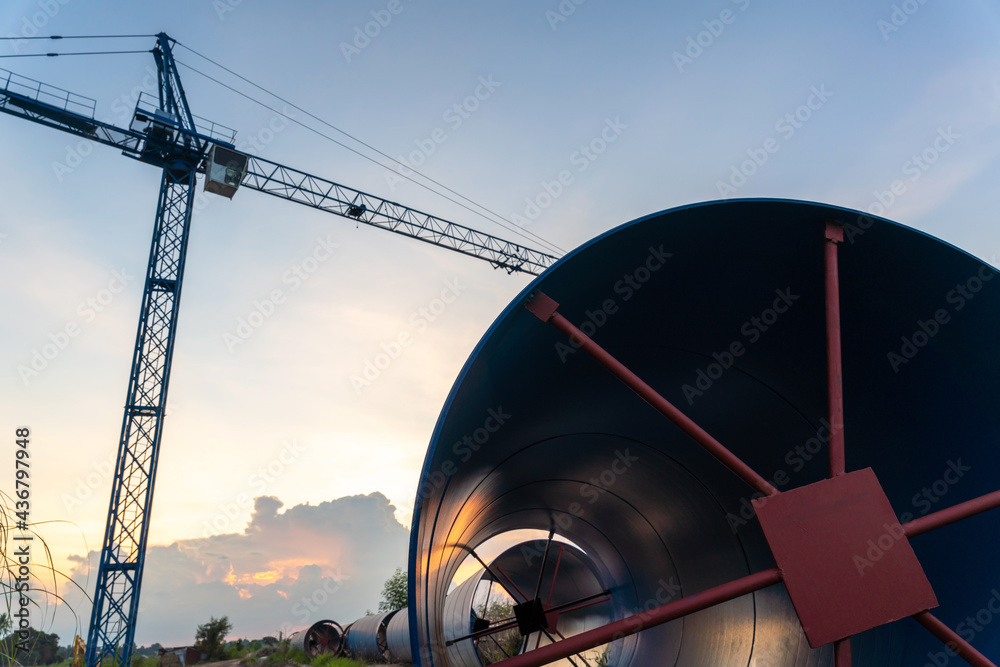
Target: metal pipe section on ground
(397, 637)
(366, 637)
(321, 637)
(720, 308)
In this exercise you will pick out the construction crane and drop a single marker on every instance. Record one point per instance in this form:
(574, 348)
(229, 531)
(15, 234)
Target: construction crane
(164, 133)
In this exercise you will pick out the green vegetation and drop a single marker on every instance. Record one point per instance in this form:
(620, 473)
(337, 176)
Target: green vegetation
(394, 591)
(43, 648)
(327, 660)
(495, 647)
(210, 638)
(285, 655)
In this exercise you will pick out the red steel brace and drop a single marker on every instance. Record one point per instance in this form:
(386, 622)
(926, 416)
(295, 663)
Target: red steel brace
(842, 653)
(644, 620)
(544, 308)
(952, 514)
(951, 639)
(835, 386)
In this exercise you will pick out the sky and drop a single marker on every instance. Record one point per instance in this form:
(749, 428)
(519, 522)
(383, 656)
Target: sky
(287, 474)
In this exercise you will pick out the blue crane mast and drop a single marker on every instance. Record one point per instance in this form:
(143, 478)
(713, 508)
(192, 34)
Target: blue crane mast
(165, 134)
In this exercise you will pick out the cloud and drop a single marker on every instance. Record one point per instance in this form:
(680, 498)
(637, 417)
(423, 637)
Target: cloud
(286, 570)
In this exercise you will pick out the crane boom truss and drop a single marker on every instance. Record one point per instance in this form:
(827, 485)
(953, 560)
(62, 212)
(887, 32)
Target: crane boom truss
(32, 100)
(320, 193)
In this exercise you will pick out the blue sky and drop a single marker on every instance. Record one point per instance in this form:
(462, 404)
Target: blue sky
(634, 107)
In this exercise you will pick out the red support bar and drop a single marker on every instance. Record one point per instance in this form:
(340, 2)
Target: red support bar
(644, 620)
(842, 653)
(555, 574)
(952, 514)
(544, 308)
(951, 639)
(512, 583)
(835, 385)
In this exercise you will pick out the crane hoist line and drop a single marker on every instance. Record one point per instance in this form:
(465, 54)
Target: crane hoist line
(164, 133)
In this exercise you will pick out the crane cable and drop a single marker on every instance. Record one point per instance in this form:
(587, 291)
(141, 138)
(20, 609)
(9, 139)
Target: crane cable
(78, 53)
(499, 219)
(75, 37)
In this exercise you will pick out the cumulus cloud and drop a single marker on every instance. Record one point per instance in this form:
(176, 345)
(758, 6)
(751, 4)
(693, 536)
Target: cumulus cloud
(284, 571)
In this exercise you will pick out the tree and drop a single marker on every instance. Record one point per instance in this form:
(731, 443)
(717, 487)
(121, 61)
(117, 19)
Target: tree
(394, 591)
(43, 648)
(502, 644)
(210, 638)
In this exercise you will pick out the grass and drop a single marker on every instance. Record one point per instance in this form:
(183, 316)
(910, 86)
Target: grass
(298, 656)
(327, 660)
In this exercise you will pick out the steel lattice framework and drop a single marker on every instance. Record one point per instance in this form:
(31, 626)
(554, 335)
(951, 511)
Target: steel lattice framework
(122, 556)
(298, 186)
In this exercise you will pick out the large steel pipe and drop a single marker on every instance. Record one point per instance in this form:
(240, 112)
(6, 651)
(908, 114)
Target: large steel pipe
(366, 637)
(572, 598)
(721, 310)
(397, 637)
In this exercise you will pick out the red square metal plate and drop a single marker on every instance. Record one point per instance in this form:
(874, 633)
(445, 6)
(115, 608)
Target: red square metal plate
(846, 563)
